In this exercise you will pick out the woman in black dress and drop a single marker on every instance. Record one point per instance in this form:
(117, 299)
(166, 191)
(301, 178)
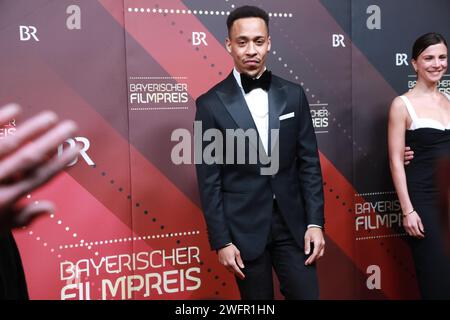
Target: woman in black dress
(421, 119)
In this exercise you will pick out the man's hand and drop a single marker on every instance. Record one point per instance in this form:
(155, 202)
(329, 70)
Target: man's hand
(28, 160)
(408, 156)
(230, 257)
(314, 235)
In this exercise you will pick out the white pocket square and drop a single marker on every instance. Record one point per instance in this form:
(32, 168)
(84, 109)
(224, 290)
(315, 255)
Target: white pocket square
(287, 116)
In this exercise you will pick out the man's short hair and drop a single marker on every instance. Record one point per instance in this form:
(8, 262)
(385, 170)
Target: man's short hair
(247, 12)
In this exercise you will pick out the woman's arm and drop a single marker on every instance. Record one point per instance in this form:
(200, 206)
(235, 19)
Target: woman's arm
(398, 118)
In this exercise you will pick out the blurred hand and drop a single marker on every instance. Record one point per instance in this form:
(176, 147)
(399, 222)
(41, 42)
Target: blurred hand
(28, 159)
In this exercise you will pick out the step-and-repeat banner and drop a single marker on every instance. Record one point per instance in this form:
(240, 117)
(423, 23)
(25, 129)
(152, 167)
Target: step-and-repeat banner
(128, 223)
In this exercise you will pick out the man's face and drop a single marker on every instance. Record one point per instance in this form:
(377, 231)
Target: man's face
(248, 43)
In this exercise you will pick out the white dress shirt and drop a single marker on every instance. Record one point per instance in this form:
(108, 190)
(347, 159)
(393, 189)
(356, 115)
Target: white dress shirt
(258, 103)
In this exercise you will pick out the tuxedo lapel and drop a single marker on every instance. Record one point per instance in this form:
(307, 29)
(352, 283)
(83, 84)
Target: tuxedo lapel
(231, 96)
(233, 100)
(277, 104)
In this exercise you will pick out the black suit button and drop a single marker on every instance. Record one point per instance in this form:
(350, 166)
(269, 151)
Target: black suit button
(273, 176)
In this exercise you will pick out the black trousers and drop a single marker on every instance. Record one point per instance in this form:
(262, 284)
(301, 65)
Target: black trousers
(297, 281)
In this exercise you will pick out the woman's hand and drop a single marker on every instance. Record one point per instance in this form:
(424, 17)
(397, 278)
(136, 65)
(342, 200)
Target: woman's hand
(413, 225)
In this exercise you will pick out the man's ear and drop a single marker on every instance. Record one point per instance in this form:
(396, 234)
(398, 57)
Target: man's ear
(228, 44)
(269, 44)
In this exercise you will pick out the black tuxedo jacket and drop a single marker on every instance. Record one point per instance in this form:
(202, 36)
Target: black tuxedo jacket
(237, 200)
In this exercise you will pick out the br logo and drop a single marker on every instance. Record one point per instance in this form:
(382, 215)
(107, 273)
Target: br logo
(401, 59)
(338, 40)
(83, 152)
(198, 38)
(28, 33)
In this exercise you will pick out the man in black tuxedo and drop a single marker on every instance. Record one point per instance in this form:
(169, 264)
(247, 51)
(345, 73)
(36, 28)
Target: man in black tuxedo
(256, 220)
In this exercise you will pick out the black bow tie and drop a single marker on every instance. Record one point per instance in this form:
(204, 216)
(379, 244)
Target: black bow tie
(263, 82)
